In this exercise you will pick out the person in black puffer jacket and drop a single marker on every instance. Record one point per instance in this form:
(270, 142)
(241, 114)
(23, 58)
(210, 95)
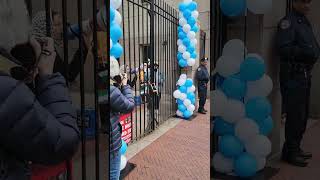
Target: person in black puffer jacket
(121, 102)
(37, 125)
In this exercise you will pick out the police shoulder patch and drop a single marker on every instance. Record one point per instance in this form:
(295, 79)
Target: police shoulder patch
(285, 24)
(199, 69)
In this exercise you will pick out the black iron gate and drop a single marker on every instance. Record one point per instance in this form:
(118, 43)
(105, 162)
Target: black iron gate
(92, 159)
(149, 41)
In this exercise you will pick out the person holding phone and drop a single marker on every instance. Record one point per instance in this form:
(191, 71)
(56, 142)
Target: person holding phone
(36, 126)
(121, 102)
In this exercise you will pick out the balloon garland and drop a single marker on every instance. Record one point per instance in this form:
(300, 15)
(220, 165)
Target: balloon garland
(187, 29)
(116, 51)
(242, 111)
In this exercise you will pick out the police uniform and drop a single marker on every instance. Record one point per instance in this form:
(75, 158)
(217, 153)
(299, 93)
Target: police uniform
(202, 77)
(298, 50)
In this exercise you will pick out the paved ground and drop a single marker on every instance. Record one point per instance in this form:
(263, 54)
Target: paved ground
(181, 153)
(312, 172)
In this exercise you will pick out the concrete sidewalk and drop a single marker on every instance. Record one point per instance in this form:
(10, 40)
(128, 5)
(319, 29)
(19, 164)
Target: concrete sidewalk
(181, 153)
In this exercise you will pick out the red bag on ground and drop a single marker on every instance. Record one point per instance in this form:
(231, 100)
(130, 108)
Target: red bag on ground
(59, 172)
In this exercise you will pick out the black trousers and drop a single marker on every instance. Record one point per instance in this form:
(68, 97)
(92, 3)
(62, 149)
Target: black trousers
(295, 90)
(202, 90)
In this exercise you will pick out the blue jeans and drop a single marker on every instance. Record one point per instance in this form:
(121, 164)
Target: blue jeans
(115, 160)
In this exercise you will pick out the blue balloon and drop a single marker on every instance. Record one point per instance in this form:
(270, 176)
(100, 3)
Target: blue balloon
(230, 146)
(258, 108)
(234, 88)
(182, 107)
(193, 6)
(252, 69)
(180, 29)
(179, 101)
(183, 63)
(193, 101)
(246, 165)
(194, 55)
(190, 96)
(192, 21)
(182, 35)
(191, 49)
(124, 147)
(115, 32)
(189, 82)
(186, 41)
(179, 56)
(183, 89)
(266, 126)
(187, 114)
(222, 127)
(186, 13)
(112, 14)
(233, 8)
(195, 28)
(182, 7)
(116, 50)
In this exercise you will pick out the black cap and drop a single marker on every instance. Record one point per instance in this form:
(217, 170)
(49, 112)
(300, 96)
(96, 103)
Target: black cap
(204, 59)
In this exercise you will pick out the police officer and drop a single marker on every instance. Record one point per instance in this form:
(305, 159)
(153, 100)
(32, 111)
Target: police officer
(298, 51)
(202, 77)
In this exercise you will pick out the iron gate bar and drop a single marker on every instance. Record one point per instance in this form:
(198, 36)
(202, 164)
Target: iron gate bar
(143, 59)
(124, 34)
(82, 95)
(139, 40)
(129, 36)
(134, 64)
(65, 59)
(152, 61)
(48, 17)
(65, 40)
(107, 4)
(97, 115)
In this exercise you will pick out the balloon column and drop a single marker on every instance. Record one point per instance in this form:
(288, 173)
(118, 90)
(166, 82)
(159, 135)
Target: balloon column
(185, 96)
(187, 55)
(187, 33)
(242, 111)
(116, 51)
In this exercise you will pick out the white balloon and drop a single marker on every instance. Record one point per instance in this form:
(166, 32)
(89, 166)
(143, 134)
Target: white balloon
(191, 62)
(194, 42)
(235, 47)
(186, 55)
(187, 102)
(179, 42)
(191, 89)
(261, 162)
(218, 102)
(186, 28)
(191, 35)
(111, 43)
(181, 82)
(195, 14)
(259, 6)
(118, 17)
(191, 108)
(181, 15)
(183, 96)
(179, 113)
(123, 162)
(233, 111)
(262, 87)
(222, 164)
(115, 3)
(259, 146)
(182, 48)
(182, 22)
(176, 94)
(228, 65)
(246, 129)
(183, 76)
(187, 1)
